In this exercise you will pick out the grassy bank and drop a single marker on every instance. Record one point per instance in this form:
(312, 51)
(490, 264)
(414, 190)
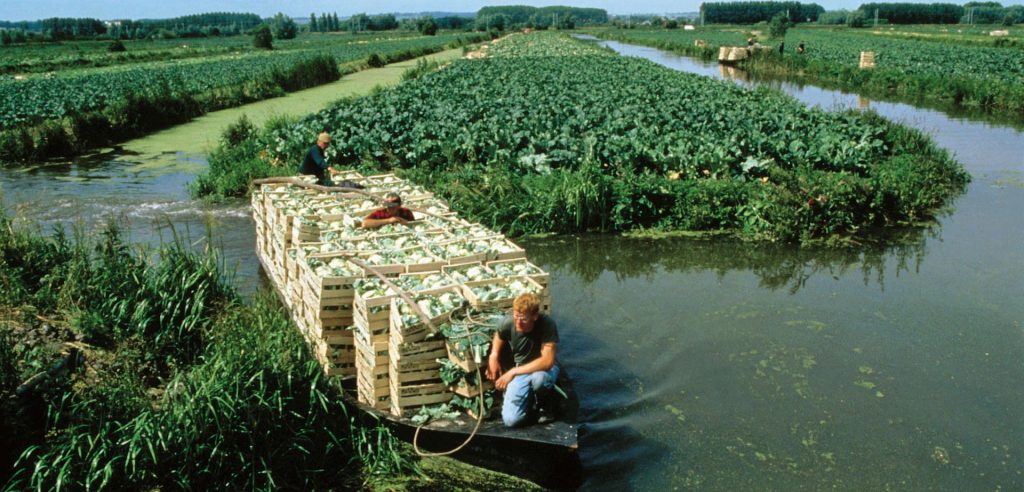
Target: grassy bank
(101, 114)
(184, 384)
(507, 141)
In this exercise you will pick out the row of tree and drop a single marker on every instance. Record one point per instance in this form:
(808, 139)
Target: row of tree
(935, 13)
(753, 12)
(189, 26)
(521, 15)
(915, 13)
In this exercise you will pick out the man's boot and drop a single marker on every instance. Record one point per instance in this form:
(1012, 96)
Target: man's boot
(547, 406)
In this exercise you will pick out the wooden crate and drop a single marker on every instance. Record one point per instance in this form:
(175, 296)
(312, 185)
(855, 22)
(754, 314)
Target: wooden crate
(411, 352)
(479, 303)
(467, 363)
(466, 390)
(453, 271)
(401, 331)
(541, 277)
(514, 252)
(430, 394)
(367, 396)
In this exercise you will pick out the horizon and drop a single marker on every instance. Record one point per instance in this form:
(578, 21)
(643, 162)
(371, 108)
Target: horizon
(148, 9)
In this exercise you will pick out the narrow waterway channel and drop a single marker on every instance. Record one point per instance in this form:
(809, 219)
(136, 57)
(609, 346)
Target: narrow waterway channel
(722, 365)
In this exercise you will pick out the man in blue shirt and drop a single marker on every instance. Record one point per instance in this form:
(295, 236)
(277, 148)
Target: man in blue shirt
(315, 162)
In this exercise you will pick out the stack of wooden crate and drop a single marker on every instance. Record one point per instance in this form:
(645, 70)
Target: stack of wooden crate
(356, 325)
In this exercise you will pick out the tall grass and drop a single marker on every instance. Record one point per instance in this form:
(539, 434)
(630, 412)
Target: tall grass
(192, 388)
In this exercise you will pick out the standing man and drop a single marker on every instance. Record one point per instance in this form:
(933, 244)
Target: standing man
(315, 162)
(782, 47)
(392, 213)
(532, 338)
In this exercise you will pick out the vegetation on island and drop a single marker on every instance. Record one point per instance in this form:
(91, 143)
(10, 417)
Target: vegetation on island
(549, 134)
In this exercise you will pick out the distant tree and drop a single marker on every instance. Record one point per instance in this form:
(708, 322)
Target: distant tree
(284, 27)
(779, 25)
(312, 23)
(116, 46)
(857, 18)
(427, 26)
(335, 23)
(671, 24)
(262, 38)
(566, 22)
(1009, 19)
(6, 38)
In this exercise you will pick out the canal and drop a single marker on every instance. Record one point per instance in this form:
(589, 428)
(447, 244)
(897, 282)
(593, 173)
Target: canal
(710, 363)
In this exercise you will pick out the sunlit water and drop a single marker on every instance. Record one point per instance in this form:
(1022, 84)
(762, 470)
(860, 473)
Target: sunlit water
(724, 365)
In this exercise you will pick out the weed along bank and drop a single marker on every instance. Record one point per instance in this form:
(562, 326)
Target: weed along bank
(404, 315)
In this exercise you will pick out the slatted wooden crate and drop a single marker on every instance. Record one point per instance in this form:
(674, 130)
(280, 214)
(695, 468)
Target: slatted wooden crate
(540, 276)
(511, 251)
(407, 327)
(407, 400)
(381, 400)
(471, 291)
(468, 390)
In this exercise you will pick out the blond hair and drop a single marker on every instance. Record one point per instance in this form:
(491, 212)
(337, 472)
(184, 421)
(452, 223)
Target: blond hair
(528, 304)
(323, 138)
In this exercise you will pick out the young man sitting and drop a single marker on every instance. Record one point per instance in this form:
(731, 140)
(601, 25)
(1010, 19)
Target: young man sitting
(532, 338)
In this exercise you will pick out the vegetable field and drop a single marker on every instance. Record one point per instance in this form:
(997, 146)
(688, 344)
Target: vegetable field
(964, 74)
(48, 97)
(551, 134)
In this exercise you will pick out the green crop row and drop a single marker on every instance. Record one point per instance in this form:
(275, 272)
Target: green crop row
(976, 76)
(552, 134)
(65, 114)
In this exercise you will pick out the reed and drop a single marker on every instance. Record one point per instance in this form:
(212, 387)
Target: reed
(191, 388)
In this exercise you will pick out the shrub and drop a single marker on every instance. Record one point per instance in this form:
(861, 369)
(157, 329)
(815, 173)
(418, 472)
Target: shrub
(262, 38)
(116, 46)
(375, 60)
(779, 25)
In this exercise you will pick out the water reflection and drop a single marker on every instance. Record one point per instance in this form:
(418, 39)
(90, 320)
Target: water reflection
(777, 267)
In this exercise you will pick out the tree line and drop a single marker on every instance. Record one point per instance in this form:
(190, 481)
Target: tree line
(753, 12)
(189, 26)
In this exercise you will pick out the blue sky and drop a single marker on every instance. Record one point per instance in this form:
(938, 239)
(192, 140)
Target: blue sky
(119, 9)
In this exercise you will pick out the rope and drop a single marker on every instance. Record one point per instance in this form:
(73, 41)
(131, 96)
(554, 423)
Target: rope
(479, 420)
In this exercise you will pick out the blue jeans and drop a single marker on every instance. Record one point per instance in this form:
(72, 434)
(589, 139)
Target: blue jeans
(522, 391)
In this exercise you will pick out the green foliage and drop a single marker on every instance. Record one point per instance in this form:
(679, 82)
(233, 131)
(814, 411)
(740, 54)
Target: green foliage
(968, 75)
(99, 108)
(116, 46)
(262, 38)
(252, 410)
(779, 25)
(704, 155)
(916, 13)
(422, 68)
(757, 11)
(519, 15)
(284, 27)
(857, 18)
(426, 26)
(375, 60)
(237, 132)
(9, 378)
